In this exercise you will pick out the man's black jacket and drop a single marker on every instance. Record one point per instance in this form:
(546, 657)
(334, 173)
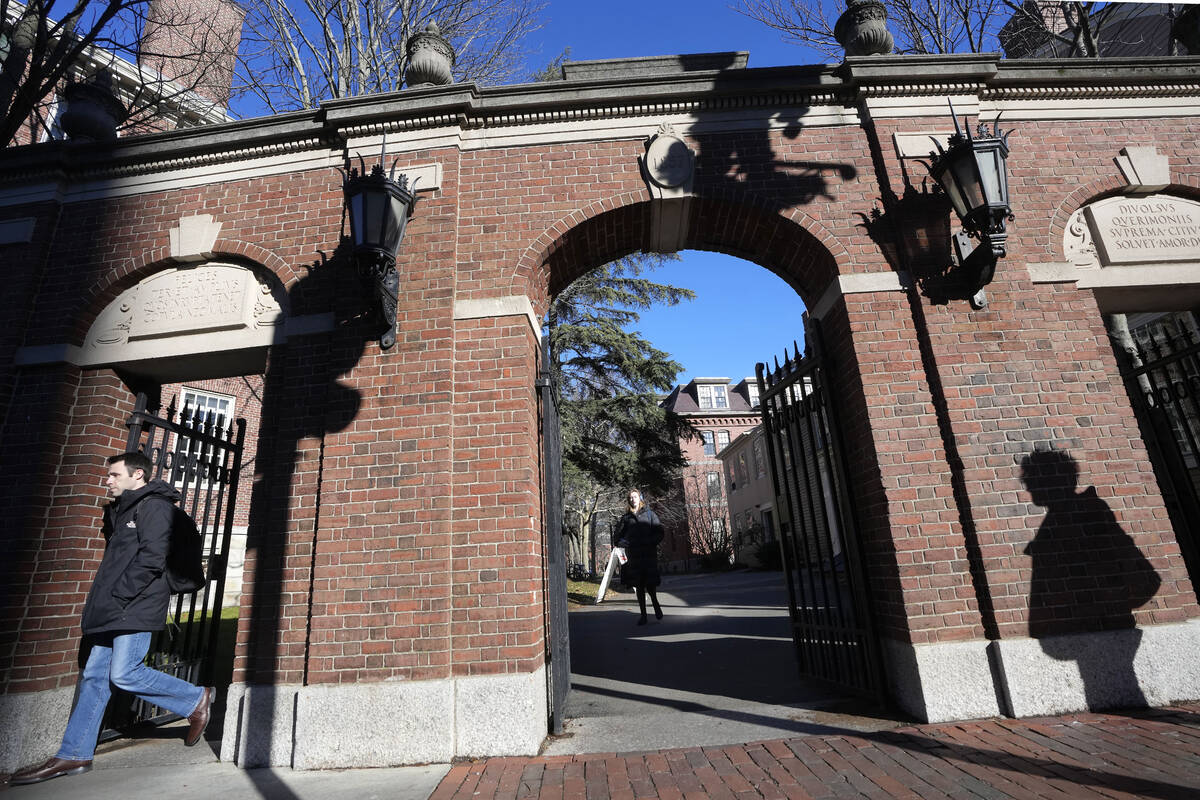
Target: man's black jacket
(130, 592)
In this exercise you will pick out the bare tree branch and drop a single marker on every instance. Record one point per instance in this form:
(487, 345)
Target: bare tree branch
(167, 59)
(1050, 28)
(299, 52)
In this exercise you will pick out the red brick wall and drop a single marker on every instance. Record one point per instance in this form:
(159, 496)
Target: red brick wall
(1031, 370)
(496, 557)
(399, 492)
(48, 577)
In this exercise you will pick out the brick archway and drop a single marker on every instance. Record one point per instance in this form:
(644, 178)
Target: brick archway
(790, 244)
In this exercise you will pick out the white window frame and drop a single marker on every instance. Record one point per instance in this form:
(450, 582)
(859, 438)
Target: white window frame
(713, 396)
(710, 443)
(224, 419)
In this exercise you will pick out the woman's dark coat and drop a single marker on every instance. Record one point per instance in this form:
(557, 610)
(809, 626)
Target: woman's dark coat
(639, 534)
(130, 592)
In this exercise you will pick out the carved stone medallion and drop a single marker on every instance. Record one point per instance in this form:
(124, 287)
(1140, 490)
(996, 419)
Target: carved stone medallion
(669, 164)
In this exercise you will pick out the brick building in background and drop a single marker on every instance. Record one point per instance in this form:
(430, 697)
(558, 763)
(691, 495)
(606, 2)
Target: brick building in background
(753, 522)
(393, 606)
(696, 516)
(182, 78)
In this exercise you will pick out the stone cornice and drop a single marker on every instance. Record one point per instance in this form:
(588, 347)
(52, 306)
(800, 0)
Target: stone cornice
(626, 93)
(990, 77)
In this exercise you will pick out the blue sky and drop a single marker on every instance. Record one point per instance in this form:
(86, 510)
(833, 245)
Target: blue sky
(742, 312)
(630, 28)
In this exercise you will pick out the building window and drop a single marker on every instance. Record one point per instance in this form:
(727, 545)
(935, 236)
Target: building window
(714, 484)
(752, 390)
(718, 526)
(713, 395)
(760, 463)
(196, 404)
(194, 407)
(742, 474)
(722, 440)
(710, 448)
(52, 120)
(732, 478)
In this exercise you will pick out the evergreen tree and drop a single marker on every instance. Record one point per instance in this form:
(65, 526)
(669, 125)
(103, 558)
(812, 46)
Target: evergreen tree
(610, 379)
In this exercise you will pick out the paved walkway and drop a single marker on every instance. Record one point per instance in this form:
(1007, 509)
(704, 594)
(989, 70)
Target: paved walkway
(1150, 754)
(719, 668)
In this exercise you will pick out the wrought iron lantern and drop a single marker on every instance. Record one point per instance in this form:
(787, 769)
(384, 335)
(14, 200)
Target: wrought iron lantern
(379, 205)
(973, 173)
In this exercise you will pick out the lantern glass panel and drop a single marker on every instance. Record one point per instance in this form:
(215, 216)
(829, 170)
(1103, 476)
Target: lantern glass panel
(376, 211)
(966, 175)
(946, 181)
(991, 169)
(396, 219)
(356, 218)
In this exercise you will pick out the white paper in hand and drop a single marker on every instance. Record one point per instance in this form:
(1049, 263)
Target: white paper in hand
(608, 571)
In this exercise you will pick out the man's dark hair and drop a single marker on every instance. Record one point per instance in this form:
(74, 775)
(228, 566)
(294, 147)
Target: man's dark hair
(133, 462)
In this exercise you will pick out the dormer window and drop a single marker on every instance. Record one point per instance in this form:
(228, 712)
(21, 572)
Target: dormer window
(712, 395)
(752, 391)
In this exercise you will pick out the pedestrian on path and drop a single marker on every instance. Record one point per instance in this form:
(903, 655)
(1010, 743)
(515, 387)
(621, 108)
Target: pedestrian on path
(639, 533)
(127, 603)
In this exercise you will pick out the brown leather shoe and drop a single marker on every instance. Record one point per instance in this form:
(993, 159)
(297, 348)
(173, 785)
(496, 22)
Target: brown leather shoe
(50, 768)
(198, 721)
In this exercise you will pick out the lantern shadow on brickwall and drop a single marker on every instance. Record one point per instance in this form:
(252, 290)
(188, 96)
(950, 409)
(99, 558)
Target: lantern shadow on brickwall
(751, 159)
(914, 236)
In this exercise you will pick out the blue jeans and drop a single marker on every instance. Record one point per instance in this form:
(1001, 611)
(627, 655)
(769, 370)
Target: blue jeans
(117, 660)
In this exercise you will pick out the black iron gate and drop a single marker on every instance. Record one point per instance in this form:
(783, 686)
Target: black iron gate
(1160, 363)
(201, 455)
(554, 565)
(831, 625)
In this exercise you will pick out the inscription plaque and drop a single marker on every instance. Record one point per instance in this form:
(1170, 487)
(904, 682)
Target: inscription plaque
(1141, 230)
(189, 301)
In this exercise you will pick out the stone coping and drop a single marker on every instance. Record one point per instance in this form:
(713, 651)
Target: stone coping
(612, 89)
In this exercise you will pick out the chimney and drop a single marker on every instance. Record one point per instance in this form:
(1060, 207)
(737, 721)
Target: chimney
(194, 42)
(1031, 28)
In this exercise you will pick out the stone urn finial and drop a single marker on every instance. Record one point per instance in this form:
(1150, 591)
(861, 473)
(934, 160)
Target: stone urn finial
(93, 110)
(430, 59)
(862, 29)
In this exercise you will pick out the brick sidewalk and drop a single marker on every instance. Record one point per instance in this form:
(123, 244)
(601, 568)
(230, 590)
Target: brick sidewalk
(1154, 754)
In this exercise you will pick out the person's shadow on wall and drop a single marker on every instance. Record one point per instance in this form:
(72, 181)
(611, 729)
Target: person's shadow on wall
(1088, 576)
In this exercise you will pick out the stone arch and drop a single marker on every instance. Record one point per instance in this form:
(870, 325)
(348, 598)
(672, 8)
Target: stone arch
(212, 318)
(155, 259)
(790, 243)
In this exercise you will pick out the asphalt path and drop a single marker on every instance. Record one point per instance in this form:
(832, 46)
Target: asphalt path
(719, 668)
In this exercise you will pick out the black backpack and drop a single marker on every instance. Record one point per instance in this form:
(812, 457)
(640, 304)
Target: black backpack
(185, 559)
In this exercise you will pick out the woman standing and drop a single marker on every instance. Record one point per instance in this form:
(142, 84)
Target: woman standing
(639, 533)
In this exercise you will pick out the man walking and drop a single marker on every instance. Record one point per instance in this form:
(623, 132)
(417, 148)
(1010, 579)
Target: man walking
(127, 603)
